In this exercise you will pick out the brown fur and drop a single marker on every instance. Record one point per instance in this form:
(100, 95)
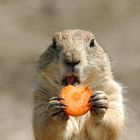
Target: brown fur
(95, 70)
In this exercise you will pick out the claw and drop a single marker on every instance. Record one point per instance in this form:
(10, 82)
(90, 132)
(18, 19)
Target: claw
(95, 94)
(94, 99)
(57, 104)
(57, 108)
(97, 105)
(56, 98)
(56, 113)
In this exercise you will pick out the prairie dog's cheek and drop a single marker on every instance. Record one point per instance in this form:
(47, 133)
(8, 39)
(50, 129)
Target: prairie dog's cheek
(84, 59)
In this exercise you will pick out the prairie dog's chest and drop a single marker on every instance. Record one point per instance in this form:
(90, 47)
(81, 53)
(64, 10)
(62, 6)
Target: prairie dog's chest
(76, 128)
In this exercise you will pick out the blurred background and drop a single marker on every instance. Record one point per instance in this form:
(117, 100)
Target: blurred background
(26, 29)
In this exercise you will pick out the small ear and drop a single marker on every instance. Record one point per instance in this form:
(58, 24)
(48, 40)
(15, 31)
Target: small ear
(88, 37)
(92, 43)
(53, 45)
(57, 37)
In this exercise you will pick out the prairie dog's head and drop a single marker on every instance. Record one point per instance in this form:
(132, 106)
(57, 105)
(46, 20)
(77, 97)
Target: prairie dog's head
(76, 57)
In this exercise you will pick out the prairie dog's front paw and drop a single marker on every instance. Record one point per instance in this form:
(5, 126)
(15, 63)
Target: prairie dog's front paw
(100, 103)
(56, 109)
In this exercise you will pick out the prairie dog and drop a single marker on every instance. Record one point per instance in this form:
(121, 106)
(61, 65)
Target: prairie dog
(74, 57)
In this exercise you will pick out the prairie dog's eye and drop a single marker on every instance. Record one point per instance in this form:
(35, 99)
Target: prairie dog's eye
(92, 43)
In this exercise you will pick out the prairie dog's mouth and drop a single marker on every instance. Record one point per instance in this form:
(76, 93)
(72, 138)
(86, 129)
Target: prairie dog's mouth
(70, 80)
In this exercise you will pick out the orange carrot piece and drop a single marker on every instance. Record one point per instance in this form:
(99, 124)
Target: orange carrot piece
(76, 98)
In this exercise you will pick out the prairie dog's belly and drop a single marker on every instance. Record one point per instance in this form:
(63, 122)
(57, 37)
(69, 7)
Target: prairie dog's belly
(76, 128)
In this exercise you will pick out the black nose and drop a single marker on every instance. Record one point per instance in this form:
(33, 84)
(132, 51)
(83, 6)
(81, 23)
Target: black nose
(72, 63)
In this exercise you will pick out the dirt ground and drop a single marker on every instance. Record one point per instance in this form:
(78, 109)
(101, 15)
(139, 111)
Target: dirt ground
(26, 28)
